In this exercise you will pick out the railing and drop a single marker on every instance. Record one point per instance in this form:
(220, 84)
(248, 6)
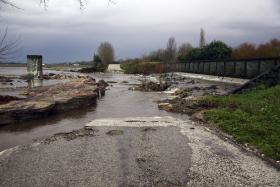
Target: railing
(243, 68)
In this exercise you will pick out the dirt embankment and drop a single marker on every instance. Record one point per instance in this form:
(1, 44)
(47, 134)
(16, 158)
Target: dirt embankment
(44, 101)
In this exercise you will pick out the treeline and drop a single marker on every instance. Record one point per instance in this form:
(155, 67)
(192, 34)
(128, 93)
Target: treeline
(211, 51)
(249, 50)
(215, 50)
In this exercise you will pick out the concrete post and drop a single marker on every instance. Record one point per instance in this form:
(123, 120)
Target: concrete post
(35, 66)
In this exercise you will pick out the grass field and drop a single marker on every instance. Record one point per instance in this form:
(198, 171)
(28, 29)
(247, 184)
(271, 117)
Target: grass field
(252, 117)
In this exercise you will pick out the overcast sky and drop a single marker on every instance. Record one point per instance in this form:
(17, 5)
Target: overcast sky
(135, 27)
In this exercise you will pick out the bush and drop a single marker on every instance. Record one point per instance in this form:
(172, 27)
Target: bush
(213, 51)
(141, 67)
(217, 50)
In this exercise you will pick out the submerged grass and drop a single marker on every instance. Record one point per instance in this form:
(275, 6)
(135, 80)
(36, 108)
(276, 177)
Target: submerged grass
(252, 117)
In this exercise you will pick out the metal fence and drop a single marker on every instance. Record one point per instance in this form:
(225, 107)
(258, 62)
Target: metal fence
(244, 68)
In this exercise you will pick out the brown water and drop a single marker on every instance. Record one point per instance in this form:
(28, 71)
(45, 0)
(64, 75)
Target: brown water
(118, 102)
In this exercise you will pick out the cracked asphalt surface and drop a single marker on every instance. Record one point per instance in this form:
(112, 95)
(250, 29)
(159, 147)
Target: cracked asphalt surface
(154, 151)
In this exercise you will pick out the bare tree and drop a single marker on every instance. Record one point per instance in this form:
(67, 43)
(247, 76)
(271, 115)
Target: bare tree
(183, 51)
(81, 2)
(9, 50)
(171, 50)
(7, 2)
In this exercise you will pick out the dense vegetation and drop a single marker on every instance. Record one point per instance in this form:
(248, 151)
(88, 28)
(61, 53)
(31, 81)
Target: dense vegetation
(212, 51)
(252, 117)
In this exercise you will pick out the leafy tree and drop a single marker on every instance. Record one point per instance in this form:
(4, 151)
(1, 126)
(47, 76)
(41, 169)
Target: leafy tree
(106, 53)
(184, 51)
(96, 61)
(217, 50)
(171, 50)
(202, 41)
(213, 51)
(196, 54)
(275, 43)
(245, 50)
(270, 49)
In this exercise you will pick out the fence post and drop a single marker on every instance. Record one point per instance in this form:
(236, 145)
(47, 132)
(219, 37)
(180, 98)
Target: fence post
(275, 62)
(216, 73)
(234, 68)
(259, 67)
(245, 69)
(224, 69)
(203, 67)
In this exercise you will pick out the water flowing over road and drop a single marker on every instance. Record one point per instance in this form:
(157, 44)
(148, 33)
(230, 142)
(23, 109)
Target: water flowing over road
(125, 141)
(118, 102)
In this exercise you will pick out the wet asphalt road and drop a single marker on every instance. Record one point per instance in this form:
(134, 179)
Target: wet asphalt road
(122, 156)
(134, 152)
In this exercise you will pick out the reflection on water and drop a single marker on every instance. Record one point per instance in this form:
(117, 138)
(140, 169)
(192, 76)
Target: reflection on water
(35, 83)
(13, 70)
(118, 102)
(15, 74)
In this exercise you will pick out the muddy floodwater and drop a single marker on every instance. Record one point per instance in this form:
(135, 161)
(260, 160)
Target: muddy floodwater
(118, 102)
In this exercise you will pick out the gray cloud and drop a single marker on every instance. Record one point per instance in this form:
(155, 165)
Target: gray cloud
(64, 33)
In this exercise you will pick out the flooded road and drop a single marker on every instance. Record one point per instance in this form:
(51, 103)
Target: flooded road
(150, 151)
(118, 102)
(123, 144)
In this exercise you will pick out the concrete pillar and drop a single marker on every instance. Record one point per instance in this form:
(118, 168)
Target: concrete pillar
(35, 66)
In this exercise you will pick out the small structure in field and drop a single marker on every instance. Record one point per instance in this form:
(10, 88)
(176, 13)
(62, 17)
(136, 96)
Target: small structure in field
(35, 66)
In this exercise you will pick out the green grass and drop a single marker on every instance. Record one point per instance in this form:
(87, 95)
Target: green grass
(252, 117)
